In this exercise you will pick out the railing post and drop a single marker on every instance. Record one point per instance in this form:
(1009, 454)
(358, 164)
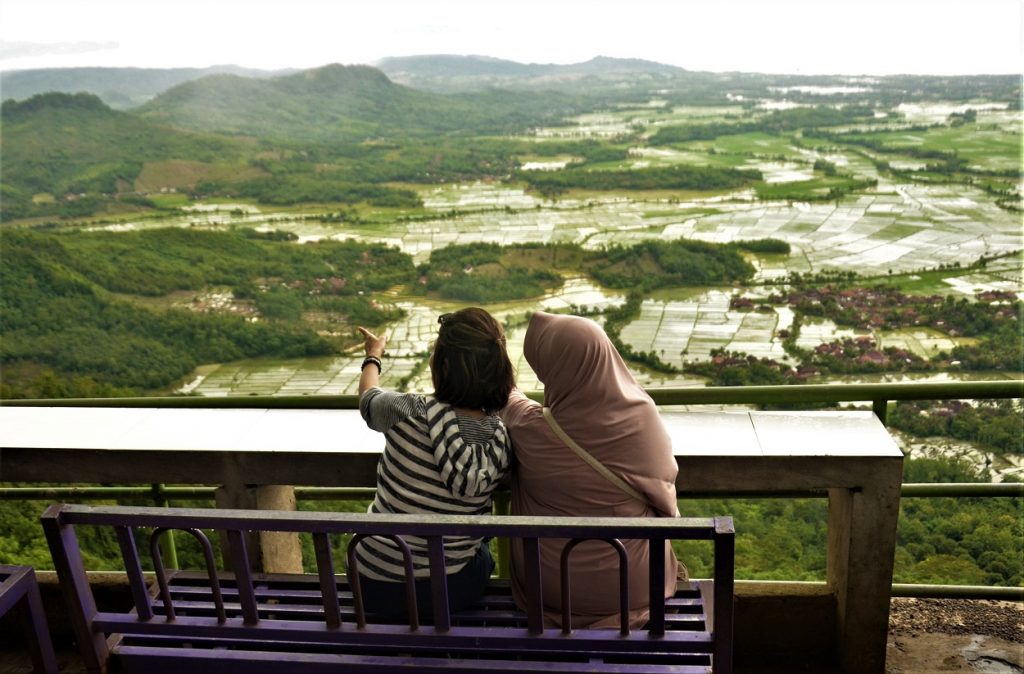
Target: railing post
(169, 552)
(502, 506)
(880, 406)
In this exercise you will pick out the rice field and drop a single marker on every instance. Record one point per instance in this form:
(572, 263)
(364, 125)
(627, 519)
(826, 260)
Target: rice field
(893, 232)
(899, 227)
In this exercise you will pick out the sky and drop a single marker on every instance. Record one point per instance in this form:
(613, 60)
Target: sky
(845, 37)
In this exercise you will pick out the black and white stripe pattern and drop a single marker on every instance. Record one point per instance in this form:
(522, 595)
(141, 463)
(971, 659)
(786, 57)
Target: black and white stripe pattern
(434, 462)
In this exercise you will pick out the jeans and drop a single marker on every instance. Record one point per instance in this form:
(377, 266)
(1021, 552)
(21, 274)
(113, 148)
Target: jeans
(384, 601)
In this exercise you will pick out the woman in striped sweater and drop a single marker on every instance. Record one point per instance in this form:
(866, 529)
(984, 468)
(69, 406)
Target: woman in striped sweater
(443, 454)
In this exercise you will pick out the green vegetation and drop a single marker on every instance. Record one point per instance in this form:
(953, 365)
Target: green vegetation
(336, 103)
(78, 150)
(679, 177)
(87, 313)
(963, 145)
(992, 425)
(483, 273)
(819, 189)
(945, 541)
(658, 264)
(778, 121)
(62, 321)
(322, 188)
(488, 272)
(965, 541)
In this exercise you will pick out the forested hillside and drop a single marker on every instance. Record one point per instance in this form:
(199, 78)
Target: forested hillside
(338, 103)
(74, 149)
(71, 327)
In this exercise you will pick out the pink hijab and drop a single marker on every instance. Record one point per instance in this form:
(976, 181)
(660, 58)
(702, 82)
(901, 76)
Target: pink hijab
(599, 404)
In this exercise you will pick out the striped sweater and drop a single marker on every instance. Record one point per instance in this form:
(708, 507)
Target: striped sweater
(434, 462)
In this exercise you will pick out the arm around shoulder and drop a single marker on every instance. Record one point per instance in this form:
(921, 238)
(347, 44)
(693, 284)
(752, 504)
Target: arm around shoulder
(516, 408)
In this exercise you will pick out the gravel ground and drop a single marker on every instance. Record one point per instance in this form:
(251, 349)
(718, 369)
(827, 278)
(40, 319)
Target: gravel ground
(1005, 620)
(929, 636)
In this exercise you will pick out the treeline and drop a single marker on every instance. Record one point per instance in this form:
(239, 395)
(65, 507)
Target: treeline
(658, 264)
(993, 425)
(678, 177)
(68, 313)
(964, 541)
(994, 321)
(487, 272)
(777, 121)
(306, 188)
(60, 319)
(733, 368)
(158, 261)
(483, 272)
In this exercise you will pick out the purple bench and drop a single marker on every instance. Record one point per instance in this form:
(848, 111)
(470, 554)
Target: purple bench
(215, 621)
(19, 591)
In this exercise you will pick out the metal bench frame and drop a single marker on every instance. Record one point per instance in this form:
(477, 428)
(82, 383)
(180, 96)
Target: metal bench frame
(244, 634)
(19, 591)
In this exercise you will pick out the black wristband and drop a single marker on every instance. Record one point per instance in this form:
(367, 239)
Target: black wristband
(372, 359)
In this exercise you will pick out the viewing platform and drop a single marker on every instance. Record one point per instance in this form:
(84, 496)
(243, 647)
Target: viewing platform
(255, 450)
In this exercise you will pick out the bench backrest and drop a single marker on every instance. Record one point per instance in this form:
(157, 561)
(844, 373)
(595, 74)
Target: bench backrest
(18, 588)
(158, 617)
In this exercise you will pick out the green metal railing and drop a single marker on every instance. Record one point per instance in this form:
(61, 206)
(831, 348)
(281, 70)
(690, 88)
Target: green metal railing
(162, 495)
(879, 395)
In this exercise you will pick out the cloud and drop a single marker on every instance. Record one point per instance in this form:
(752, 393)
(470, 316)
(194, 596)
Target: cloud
(16, 50)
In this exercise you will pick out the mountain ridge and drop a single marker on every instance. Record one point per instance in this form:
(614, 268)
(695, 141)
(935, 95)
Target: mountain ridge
(340, 103)
(120, 88)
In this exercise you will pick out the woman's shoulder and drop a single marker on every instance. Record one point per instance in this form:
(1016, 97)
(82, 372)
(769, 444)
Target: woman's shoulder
(520, 410)
(383, 409)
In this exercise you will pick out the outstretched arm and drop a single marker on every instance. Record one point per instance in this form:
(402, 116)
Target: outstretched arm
(374, 348)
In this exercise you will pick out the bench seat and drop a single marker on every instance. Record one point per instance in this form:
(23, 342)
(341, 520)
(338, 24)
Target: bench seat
(240, 621)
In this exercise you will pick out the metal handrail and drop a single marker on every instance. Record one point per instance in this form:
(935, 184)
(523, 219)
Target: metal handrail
(165, 493)
(698, 395)
(878, 394)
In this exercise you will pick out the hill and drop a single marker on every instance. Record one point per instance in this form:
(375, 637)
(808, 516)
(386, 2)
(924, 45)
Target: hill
(58, 144)
(120, 88)
(451, 73)
(337, 103)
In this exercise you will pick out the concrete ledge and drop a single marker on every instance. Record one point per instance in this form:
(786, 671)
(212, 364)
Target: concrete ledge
(784, 621)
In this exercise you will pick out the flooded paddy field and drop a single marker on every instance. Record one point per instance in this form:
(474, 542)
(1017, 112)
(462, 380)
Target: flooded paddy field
(897, 231)
(898, 228)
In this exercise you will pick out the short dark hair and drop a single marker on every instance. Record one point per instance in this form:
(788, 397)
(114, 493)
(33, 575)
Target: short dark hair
(470, 367)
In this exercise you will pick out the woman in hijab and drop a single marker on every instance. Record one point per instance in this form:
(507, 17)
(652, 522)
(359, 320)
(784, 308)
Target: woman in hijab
(598, 405)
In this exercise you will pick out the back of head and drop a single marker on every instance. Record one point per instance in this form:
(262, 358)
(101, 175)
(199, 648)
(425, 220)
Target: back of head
(598, 402)
(470, 367)
(577, 363)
